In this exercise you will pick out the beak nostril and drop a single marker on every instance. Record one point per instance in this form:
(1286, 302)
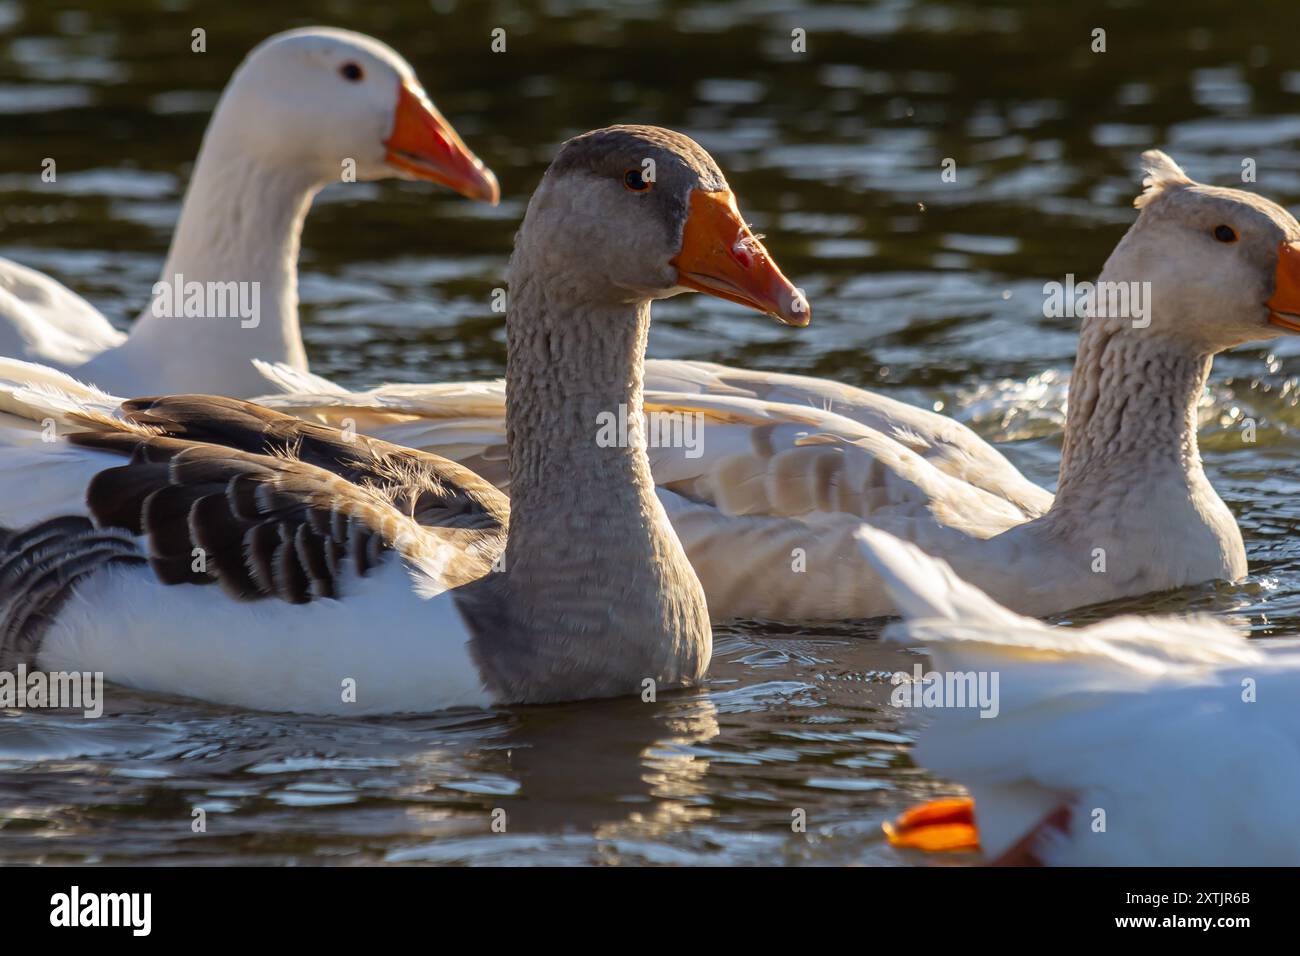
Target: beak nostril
(747, 248)
(720, 256)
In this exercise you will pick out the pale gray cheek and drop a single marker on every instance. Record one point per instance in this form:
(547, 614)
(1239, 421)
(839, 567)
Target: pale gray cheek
(663, 274)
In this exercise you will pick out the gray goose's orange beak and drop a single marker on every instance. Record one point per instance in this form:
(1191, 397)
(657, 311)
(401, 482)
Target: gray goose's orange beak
(1284, 306)
(424, 144)
(722, 257)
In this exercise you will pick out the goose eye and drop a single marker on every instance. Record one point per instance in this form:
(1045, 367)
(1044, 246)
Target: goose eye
(351, 72)
(634, 181)
(1225, 234)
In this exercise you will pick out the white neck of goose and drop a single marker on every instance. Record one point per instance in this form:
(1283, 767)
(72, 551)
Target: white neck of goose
(241, 221)
(1132, 420)
(591, 556)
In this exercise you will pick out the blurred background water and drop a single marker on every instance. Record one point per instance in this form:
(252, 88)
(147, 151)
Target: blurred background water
(928, 290)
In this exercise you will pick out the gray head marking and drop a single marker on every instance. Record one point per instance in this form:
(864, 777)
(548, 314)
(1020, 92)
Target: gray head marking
(614, 149)
(680, 165)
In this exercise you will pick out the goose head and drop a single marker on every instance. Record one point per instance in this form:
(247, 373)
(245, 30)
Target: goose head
(634, 213)
(1223, 264)
(314, 98)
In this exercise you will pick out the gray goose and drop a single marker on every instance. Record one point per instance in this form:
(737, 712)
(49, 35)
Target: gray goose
(356, 576)
(788, 468)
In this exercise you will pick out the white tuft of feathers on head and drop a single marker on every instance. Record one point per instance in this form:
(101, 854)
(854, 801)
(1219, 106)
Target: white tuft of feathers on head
(1161, 173)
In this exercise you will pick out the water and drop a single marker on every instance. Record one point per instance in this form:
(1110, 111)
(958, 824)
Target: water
(926, 290)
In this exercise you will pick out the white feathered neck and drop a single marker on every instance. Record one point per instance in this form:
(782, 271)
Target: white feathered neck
(241, 220)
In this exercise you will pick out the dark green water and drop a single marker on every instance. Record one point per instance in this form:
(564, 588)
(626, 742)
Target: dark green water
(928, 290)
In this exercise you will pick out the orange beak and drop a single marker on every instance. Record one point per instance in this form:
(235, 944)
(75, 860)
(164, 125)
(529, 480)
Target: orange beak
(1284, 306)
(937, 826)
(722, 257)
(423, 144)
(949, 825)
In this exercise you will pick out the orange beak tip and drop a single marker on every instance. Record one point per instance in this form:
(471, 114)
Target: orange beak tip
(493, 194)
(799, 312)
(940, 826)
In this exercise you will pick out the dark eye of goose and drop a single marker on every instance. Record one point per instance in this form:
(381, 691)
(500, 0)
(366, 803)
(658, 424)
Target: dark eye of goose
(634, 181)
(351, 72)
(1225, 234)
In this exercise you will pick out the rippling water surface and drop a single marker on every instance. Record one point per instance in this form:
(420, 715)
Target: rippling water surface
(930, 291)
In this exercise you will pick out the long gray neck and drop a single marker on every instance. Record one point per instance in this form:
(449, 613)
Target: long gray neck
(567, 373)
(241, 221)
(1132, 414)
(600, 594)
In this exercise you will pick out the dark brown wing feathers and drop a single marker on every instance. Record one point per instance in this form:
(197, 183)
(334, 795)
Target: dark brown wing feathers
(267, 505)
(446, 494)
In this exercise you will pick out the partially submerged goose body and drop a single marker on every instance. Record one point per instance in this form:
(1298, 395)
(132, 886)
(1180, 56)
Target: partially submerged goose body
(787, 467)
(224, 551)
(1138, 741)
(301, 106)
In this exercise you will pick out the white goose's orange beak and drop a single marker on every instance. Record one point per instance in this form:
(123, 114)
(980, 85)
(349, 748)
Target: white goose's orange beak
(948, 825)
(1284, 306)
(424, 144)
(722, 257)
(937, 826)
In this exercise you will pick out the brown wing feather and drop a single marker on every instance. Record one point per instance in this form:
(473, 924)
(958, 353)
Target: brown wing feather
(267, 505)
(439, 492)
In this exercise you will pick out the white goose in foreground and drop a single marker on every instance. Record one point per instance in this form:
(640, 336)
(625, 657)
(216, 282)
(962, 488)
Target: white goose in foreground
(767, 510)
(358, 567)
(1140, 741)
(301, 105)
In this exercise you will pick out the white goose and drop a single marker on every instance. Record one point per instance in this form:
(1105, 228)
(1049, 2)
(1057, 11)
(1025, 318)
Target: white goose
(359, 577)
(1136, 742)
(301, 104)
(767, 510)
